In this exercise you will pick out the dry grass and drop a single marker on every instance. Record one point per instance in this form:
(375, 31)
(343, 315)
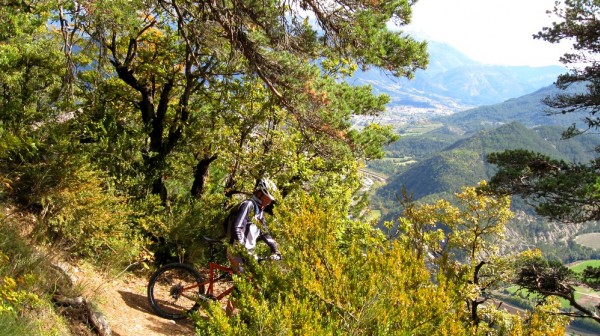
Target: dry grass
(591, 240)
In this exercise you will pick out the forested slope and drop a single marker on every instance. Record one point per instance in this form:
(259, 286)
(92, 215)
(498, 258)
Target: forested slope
(464, 161)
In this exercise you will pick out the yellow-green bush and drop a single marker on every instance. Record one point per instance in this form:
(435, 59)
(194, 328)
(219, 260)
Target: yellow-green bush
(351, 283)
(89, 220)
(343, 277)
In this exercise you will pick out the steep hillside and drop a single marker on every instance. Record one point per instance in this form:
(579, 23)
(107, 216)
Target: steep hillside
(463, 162)
(440, 169)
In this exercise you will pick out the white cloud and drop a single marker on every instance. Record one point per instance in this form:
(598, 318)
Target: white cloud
(489, 31)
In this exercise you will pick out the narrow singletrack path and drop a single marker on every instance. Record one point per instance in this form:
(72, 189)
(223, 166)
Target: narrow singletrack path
(123, 302)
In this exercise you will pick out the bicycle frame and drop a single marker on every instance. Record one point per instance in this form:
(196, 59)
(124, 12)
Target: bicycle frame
(211, 281)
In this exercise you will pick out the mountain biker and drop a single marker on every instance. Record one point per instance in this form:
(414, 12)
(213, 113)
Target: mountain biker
(246, 225)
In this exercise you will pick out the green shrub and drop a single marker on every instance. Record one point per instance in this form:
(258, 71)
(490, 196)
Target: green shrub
(177, 234)
(26, 285)
(89, 220)
(353, 284)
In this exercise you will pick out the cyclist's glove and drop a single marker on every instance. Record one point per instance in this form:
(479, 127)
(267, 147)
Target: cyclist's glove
(275, 256)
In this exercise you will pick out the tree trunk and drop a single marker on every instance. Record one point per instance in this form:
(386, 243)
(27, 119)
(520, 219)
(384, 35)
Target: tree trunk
(200, 175)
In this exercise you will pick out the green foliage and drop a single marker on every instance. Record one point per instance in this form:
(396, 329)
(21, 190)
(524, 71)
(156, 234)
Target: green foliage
(337, 277)
(537, 273)
(561, 191)
(372, 138)
(545, 319)
(578, 24)
(75, 202)
(191, 82)
(176, 235)
(134, 131)
(343, 277)
(591, 276)
(464, 240)
(30, 68)
(88, 219)
(26, 283)
(545, 278)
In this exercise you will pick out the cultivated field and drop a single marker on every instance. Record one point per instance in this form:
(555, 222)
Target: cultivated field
(579, 266)
(591, 240)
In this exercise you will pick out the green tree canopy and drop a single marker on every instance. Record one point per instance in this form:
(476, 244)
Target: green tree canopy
(185, 68)
(567, 192)
(581, 25)
(559, 190)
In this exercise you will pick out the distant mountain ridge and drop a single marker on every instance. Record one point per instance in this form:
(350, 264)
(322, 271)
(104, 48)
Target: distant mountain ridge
(453, 155)
(463, 162)
(528, 110)
(454, 81)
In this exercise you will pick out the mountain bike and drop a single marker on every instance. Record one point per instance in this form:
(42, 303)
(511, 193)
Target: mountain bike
(175, 290)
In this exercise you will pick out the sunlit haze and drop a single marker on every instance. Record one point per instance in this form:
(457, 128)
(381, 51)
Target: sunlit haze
(489, 31)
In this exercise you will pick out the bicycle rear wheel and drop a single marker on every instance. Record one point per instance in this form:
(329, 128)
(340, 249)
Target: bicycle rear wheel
(174, 291)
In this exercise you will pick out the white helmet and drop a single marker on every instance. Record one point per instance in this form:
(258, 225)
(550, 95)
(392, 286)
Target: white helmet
(267, 187)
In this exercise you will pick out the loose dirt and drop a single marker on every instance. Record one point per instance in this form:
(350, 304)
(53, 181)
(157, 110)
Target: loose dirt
(122, 299)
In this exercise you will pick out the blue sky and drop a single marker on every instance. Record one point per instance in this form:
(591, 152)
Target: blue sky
(489, 31)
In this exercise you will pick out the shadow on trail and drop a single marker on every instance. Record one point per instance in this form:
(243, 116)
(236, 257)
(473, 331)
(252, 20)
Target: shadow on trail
(156, 323)
(136, 301)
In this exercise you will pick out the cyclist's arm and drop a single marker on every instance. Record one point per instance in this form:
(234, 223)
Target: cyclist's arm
(266, 237)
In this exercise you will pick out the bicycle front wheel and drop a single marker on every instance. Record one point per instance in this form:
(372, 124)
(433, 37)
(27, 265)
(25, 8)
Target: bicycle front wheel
(174, 291)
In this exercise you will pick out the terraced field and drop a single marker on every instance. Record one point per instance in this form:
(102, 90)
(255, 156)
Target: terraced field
(591, 240)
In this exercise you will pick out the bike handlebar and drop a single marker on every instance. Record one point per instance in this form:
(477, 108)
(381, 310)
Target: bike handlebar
(212, 240)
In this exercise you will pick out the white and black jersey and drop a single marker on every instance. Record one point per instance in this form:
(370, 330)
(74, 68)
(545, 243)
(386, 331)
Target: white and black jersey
(247, 225)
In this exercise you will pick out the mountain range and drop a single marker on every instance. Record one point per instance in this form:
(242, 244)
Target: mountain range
(453, 81)
(451, 152)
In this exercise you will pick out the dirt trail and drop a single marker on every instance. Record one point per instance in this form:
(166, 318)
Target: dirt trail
(124, 304)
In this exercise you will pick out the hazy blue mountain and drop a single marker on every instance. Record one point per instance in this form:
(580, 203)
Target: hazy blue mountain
(453, 80)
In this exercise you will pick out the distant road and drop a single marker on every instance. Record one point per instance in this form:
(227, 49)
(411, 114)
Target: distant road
(373, 175)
